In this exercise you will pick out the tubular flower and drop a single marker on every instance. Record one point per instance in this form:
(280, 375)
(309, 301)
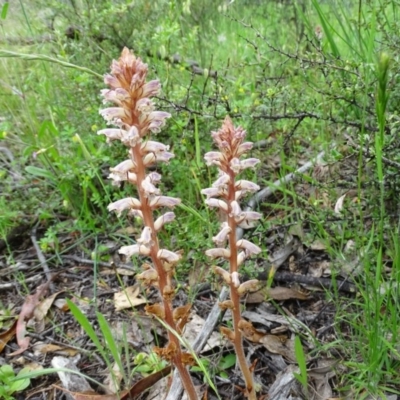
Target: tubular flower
(135, 117)
(225, 194)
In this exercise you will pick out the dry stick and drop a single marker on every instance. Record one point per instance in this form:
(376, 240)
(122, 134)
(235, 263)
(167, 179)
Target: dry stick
(41, 257)
(212, 319)
(366, 152)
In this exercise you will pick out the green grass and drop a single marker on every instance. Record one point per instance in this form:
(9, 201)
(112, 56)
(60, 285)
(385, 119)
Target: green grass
(271, 70)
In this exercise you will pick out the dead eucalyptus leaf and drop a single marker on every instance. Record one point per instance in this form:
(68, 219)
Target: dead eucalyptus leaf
(284, 293)
(128, 298)
(44, 348)
(339, 205)
(278, 293)
(119, 271)
(6, 336)
(280, 345)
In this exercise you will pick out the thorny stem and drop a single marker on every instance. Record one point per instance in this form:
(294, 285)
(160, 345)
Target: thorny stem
(163, 277)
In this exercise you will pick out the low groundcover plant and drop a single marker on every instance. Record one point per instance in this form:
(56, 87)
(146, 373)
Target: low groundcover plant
(135, 118)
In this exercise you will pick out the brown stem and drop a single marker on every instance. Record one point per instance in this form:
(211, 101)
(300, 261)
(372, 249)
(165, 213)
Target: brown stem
(164, 278)
(236, 313)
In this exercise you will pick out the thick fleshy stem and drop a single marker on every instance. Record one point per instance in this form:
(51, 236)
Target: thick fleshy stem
(224, 194)
(164, 282)
(135, 118)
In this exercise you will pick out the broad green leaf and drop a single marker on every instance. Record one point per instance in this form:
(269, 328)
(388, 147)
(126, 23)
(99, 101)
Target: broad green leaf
(4, 10)
(227, 361)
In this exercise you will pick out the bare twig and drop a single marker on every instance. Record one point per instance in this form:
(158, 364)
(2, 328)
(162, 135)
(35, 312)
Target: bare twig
(268, 191)
(366, 152)
(10, 285)
(41, 257)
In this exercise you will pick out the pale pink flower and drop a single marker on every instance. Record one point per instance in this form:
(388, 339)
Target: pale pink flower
(235, 279)
(135, 213)
(154, 121)
(248, 246)
(241, 258)
(248, 219)
(145, 238)
(114, 115)
(222, 181)
(151, 158)
(149, 276)
(119, 177)
(222, 235)
(213, 158)
(124, 166)
(149, 189)
(153, 177)
(223, 274)
(164, 201)
(168, 256)
(164, 219)
(117, 96)
(132, 137)
(246, 186)
(153, 147)
(124, 204)
(218, 252)
(249, 163)
(250, 286)
(133, 250)
(151, 88)
(164, 157)
(212, 192)
(111, 81)
(144, 106)
(235, 165)
(236, 211)
(244, 148)
(112, 134)
(217, 203)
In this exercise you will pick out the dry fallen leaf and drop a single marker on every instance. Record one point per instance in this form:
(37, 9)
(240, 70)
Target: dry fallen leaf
(113, 380)
(128, 298)
(6, 336)
(27, 312)
(286, 385)
(339, 205)
(274, 344)
(192, 329)
(44, 348)
(280, 345)
(43, 308)
(278, 293)
(119, 271)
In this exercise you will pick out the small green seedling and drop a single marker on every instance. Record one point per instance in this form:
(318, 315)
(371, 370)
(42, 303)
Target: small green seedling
(147, 364)
(301, 361)
(9, 382)
(220, 369)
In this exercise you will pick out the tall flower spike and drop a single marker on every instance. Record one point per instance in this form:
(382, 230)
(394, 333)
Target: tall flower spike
(224, 194)
(135, 116)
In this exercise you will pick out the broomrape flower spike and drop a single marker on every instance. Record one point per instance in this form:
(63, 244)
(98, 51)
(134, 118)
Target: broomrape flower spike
(224, 195)
(134, 117)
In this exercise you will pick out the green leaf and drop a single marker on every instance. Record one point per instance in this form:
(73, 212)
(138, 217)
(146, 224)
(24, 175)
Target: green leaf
(301, 361)
(112, 345)
(39, 172)
(4, 10)
(227, 361)
(87, 326)
(19, 385)
(6, 372)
